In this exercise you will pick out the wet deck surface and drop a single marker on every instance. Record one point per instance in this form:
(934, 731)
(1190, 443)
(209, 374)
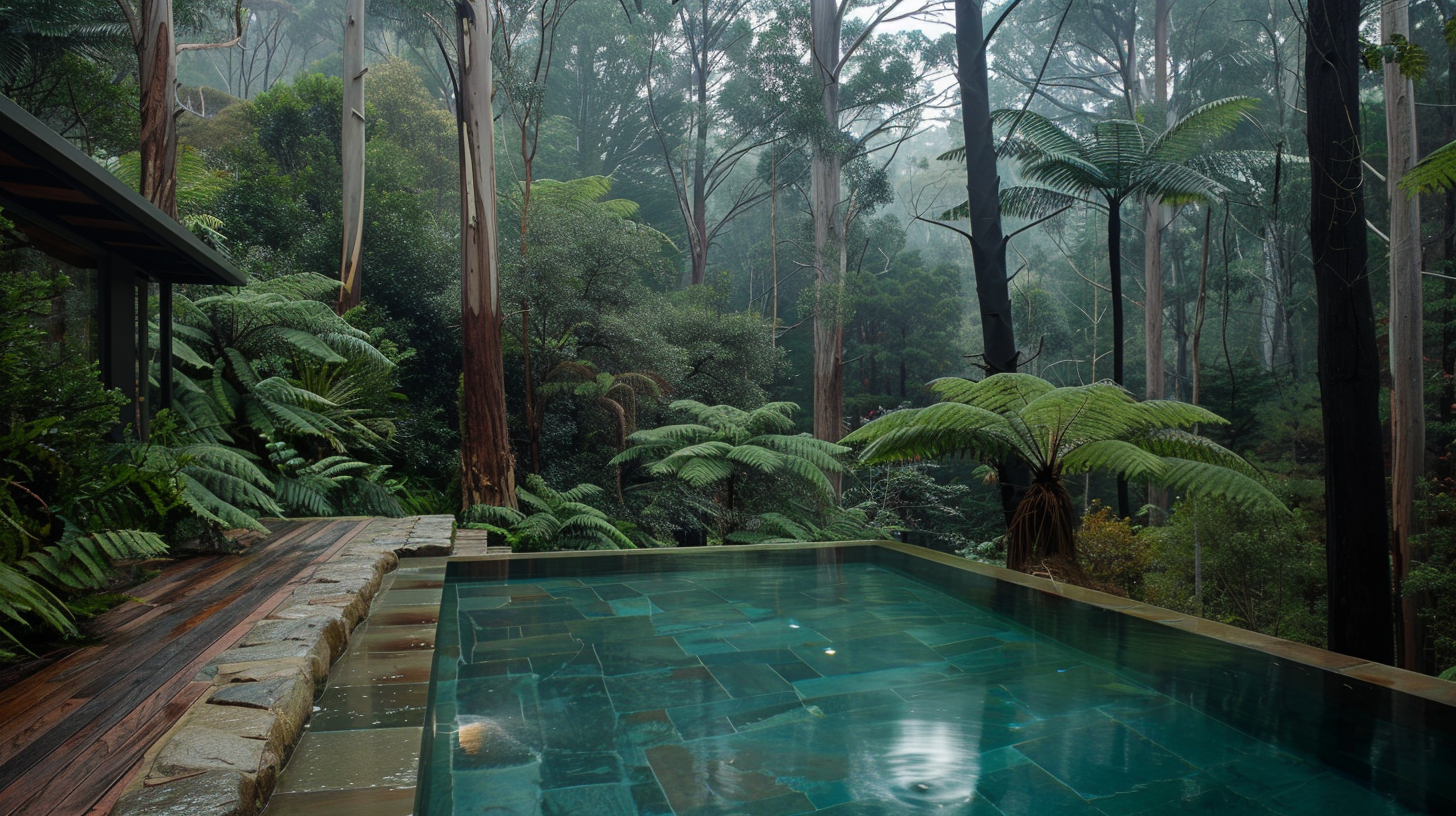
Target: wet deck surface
(73, 731)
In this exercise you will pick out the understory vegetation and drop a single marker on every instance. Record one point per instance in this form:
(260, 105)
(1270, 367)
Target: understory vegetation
(734, 307)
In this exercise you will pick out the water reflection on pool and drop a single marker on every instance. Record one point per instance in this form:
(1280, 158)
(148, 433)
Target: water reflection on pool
(856, 681)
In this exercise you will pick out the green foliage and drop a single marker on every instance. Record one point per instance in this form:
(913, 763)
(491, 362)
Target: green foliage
(1261, 570)
(70, 504)
(1410, 58)
(1112, 552)
(1435, 575)
(1436, 172)
(553, 520)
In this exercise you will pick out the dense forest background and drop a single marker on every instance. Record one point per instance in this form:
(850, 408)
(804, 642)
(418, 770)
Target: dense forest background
(657, 245)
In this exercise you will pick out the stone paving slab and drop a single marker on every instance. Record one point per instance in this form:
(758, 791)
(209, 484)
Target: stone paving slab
(223, 757)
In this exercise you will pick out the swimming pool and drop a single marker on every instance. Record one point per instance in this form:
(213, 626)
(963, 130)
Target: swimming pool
(863, 679)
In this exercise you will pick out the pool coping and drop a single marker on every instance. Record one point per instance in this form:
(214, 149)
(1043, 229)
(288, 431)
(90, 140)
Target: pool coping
(1424, 686)
(225, 753)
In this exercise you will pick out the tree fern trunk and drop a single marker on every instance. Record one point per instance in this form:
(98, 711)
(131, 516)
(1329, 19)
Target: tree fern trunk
(1043, 529)
(1114, 271)
(1356, 554)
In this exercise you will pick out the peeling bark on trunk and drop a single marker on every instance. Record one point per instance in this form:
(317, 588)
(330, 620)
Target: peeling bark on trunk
(156, 48)
(353, 155)
(487, 467)
(1356, 556)
(1407, 393)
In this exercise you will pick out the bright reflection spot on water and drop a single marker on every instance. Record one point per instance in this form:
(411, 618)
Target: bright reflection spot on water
(829, 651)
(927, 764)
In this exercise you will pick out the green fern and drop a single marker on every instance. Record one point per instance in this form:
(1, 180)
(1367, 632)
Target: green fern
(1060, 432)
(556, 520)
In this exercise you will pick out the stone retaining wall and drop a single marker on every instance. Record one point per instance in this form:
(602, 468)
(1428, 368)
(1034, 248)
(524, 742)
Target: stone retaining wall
(222, 758)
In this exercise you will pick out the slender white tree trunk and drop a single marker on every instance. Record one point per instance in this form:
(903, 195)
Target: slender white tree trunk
(1407, 411)
(828, 279)
(353, 154)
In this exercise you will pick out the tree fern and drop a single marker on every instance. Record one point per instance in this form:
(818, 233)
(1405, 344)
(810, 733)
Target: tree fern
(1059, 432)
(555, 520)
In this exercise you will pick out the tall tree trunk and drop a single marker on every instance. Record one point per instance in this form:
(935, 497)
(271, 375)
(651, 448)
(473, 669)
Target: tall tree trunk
(828, 240)
(1407, 393)
(988, 243)
(353, 154)
(1114, 271)
(1356, 556)
(983, 186)
(773, 246)
(698, 229)
(156, 48)
(1154, 218)
(486, 465)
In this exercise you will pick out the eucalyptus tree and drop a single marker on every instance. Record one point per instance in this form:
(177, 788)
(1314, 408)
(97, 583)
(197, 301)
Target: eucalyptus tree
(487, 466)
(875, 86)
(352, 154)
(153, 35)
(1061, 432)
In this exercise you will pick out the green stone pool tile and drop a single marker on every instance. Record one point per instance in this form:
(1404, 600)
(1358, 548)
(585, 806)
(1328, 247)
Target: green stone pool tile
(1027, 790)
(647, 654)
(482, 602)
(665, 688)
(1193, 795)
(407, 597)
(494, 668)
(641, 730)
(704, 785)
(837, 630)
(696, 598)
(1265, 775)
(869, 654)
(749, 656)
(656, 586)
(640, 605)
(648, 798)
(853, 701)
(941, 634)
(580, 663)
(359, 668)
(683, 621)
(785, 638)
(1019, 655)
(424, 615)
(514, 791)
(1330, 793)
(342, 760)
(350, 708)
(589, 800)
(576, 714)
(615, 591)
(749, 679)
(1199, 739)
(715, 718)
(997, 759)
(1105, 759)
(516, 614)
(499, 697)
(978, 807)
(365, 802)
(595, 609)
(755, 612)
(479, 590)
(1050, 693)
(700, 644)
(871, 681)
(523, 647)
(575, 594)
(794, 670)
(963, 647)
(569, 769)
(376, 639)
(600, 630)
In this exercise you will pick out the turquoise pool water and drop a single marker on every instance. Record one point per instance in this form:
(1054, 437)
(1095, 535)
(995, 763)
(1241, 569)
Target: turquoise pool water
(855, 681)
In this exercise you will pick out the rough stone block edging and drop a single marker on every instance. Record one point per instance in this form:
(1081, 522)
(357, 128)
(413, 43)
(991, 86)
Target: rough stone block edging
(223, 757)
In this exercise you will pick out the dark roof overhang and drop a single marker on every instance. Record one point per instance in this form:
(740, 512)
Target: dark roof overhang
(73, 209)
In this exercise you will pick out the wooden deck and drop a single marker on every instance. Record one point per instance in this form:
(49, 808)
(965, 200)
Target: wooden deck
(74, 731)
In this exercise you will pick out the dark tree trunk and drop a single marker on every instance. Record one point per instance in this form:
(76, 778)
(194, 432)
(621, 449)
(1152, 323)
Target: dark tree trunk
(1043, 530)
(1356, 553)
(988, 243)
(1114, 273)
(156, 50)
